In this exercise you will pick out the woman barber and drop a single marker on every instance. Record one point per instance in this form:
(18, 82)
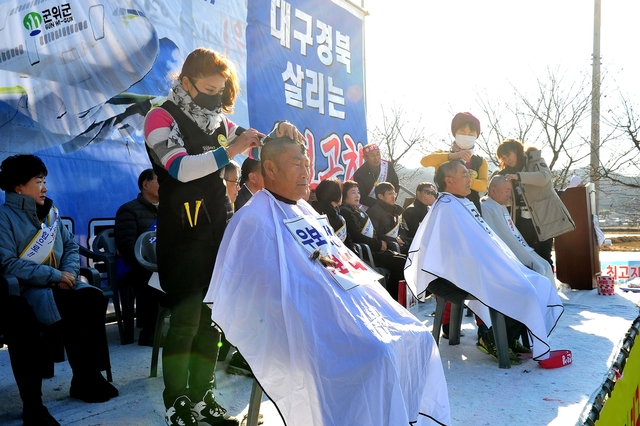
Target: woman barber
(536, 209)
(189, 139)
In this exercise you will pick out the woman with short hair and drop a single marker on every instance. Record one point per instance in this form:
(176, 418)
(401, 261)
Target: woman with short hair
(328, 200)
(37, 249)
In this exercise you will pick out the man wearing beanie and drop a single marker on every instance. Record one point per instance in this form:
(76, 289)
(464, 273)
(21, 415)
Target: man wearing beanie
(373, 171)
(465, 128)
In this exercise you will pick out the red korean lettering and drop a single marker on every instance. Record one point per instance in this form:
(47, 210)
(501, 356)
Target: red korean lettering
(330, 149)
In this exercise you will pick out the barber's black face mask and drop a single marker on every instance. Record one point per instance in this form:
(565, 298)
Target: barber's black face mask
(210, 102)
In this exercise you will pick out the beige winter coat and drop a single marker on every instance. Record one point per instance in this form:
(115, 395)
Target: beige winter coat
(549, 215)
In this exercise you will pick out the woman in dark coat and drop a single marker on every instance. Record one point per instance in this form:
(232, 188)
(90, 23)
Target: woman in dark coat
(361, 231)
(328, 200)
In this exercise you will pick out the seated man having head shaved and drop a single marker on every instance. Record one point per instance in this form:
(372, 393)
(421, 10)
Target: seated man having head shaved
(455, 253)
(499, 219)
(325, 341)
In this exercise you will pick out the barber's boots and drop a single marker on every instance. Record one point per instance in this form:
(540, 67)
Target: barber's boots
(180, 413)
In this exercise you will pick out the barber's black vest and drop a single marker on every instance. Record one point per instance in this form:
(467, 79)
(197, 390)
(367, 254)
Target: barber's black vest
(188, 242)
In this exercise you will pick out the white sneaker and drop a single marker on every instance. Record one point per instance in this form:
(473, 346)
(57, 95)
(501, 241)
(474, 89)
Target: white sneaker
(210, 412)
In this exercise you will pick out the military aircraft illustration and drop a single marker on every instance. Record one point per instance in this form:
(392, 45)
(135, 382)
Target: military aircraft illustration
(63, 65)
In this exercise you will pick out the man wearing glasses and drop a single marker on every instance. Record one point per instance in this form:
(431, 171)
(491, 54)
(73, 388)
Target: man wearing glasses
(426, 194)
(455, 253)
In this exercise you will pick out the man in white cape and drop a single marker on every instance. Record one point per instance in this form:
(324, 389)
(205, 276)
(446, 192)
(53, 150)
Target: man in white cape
(498, 218)
(454, 243)
(323, 338)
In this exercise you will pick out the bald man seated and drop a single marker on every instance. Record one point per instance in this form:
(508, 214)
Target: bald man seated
(323, 338)
(495, 213)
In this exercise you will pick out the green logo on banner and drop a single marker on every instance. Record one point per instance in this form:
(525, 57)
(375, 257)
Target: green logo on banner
(32, 22)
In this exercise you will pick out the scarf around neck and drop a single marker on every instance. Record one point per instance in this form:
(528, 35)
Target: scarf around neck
(207, 121)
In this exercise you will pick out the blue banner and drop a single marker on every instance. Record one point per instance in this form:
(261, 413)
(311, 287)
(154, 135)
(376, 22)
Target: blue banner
(77, 78)
(305, 63)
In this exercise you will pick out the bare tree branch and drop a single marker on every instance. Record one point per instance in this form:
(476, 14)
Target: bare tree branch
(394, 138)
(552, 119)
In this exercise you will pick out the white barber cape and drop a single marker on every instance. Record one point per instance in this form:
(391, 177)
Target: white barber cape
(498, 218)
(324, 355)
(454, 243)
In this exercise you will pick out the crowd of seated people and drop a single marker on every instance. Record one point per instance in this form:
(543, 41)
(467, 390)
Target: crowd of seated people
(361, 231)
(382, 227)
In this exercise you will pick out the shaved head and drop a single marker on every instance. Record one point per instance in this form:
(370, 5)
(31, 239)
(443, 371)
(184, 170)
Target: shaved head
(497, 181)
(500, 189)
(275, 147)
(285, 168)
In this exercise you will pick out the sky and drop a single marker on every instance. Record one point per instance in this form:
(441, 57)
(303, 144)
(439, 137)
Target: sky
(432, 58)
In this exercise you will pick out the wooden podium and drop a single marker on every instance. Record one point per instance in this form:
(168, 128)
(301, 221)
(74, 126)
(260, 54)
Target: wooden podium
(577, 252)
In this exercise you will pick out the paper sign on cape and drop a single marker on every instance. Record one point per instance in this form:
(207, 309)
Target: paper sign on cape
(314, 233)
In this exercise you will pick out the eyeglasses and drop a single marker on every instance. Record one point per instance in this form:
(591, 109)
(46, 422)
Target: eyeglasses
(237, 182)
(428, 191)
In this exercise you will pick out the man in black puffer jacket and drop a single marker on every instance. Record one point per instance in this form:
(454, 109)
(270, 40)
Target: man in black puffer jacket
(386, 215)
(132, 219)
(426, 194)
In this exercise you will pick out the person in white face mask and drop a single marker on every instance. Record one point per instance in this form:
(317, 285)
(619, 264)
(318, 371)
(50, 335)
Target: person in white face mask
(465, 128)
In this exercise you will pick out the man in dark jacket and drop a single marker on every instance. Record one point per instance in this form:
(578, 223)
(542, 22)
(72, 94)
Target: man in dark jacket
(385, 214)
(426, 194)
(373, 171)
(132, 219)
(251, 181)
